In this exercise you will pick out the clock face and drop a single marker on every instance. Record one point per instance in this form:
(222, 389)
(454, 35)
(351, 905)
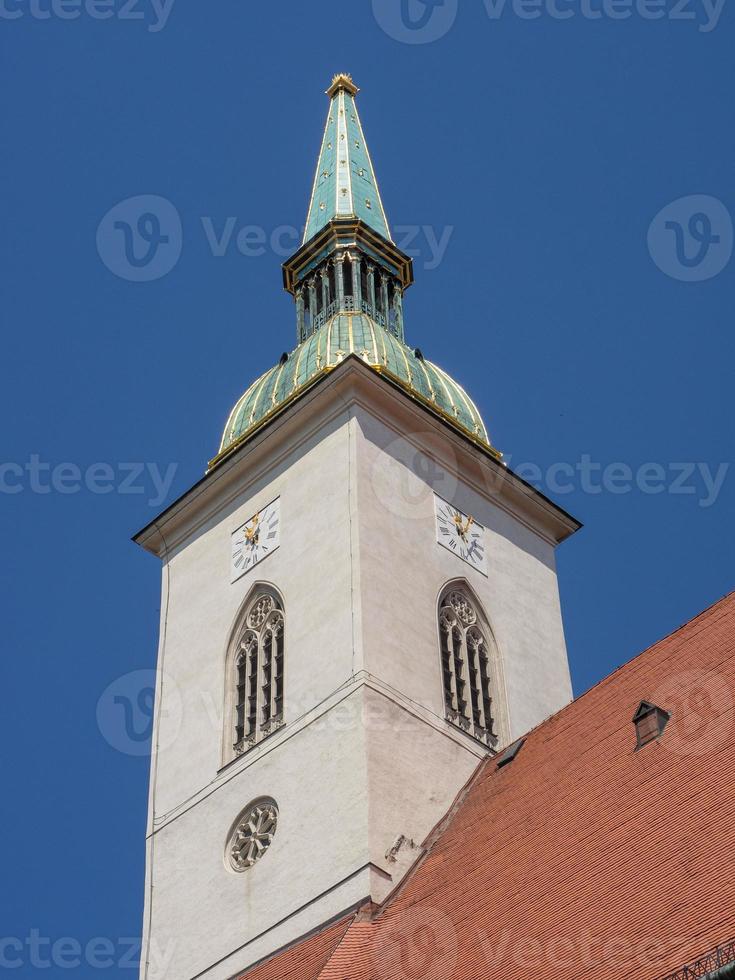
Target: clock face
(461, 534)
(256, 539)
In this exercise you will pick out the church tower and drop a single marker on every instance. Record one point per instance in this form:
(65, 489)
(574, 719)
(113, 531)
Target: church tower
(359, 604)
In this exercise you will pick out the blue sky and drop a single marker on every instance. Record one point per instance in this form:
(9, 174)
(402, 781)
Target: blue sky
(586, 307)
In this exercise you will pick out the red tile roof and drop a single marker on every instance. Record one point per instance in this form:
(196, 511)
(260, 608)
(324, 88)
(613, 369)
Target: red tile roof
(581, 858)
(307, 958)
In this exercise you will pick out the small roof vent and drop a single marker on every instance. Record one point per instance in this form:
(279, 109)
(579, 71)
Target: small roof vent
(510, 753)
(284, 358)
(649, 721)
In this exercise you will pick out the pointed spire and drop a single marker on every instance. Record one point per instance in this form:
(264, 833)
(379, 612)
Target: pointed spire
(348, 262)
(344, 183)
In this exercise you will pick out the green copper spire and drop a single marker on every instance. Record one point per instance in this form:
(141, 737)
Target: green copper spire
(345, 184)
(348, 280)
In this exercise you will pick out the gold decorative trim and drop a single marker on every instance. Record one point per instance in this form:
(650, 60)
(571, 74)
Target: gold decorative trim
(298, 364)
(422, 365)
(408, 366)
(240, 401)
(278, 381)
(446, 390)
(342, 82)
(375, 342)
(264, 379)
(469, 404)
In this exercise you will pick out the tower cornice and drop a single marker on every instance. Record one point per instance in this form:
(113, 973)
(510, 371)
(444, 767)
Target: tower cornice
(329, 395)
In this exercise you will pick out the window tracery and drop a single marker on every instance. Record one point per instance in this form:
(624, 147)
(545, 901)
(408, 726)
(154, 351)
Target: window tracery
(465, 661)
(258, 668)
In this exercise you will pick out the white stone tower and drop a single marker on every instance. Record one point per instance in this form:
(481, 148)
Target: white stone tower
(359, 604)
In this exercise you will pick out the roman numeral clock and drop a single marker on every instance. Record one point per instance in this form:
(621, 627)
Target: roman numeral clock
(256, 539)
(461, 534)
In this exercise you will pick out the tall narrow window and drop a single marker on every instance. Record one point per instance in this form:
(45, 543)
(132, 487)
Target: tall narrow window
(257, 669)
(246, 666)
(466, 669)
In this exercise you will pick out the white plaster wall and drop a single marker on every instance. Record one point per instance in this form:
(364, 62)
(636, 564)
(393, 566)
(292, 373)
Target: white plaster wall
(205, 914)
(415, 770)
(403, 570)
(312, 571)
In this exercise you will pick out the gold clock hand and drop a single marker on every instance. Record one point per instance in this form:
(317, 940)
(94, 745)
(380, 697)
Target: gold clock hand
(251, 532)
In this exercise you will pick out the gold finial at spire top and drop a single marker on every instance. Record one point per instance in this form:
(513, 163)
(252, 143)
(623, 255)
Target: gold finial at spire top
(342, 81)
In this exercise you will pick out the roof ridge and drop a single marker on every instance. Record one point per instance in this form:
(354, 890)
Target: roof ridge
(706, 612)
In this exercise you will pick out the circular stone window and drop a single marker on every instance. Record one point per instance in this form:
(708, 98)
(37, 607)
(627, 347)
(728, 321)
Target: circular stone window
(252, 834)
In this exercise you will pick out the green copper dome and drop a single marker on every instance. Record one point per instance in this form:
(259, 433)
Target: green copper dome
(344, 334)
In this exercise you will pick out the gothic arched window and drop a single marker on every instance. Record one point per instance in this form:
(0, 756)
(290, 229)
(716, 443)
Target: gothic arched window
(466, 664)
(255, 668)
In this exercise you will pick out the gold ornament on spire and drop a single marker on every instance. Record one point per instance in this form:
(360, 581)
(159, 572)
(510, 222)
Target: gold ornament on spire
(342, 82)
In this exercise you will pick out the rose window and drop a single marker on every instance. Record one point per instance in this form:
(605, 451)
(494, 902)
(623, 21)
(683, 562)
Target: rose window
(253, 835)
